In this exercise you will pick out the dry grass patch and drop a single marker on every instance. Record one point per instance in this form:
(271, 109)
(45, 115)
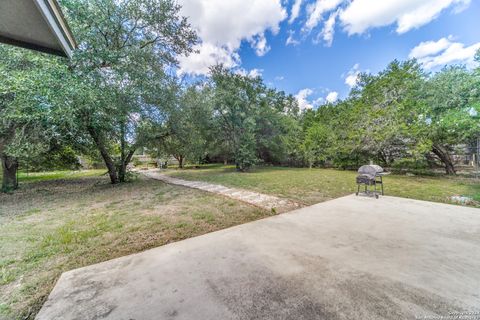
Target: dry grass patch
(49, 227)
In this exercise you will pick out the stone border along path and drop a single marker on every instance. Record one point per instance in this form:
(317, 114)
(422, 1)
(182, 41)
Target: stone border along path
(254, 198)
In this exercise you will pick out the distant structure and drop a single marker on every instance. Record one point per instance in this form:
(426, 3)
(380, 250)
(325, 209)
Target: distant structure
(37, 25)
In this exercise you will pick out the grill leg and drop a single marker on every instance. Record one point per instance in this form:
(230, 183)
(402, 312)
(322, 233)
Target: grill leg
(375, 188)
(381, 180)
(358, 189)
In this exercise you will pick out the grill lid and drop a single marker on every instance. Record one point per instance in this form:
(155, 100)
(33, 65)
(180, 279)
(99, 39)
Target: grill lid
(370, 170)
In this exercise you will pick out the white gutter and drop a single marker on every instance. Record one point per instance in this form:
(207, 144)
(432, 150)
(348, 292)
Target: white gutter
(53, 16)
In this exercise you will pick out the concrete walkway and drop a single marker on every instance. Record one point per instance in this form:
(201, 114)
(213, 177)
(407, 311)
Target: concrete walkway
(349, 258)
(254, 198)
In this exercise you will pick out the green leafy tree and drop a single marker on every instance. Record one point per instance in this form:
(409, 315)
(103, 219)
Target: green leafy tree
(449, 116)
(276, 122)
(236, 101)
(291, 141)
(317, 144)
(29, 114)
(254, 123)
(121, 67)
(383, 107)
(189, 126)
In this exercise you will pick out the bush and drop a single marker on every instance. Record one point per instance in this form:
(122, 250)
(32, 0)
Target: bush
(58, 158)
(410, 165)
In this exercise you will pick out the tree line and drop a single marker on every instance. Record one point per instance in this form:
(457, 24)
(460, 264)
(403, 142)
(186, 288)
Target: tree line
(120, 92)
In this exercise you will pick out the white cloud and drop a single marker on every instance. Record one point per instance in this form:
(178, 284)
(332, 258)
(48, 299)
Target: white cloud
(291, 40)
(229, 22)
(428, 48)
(279, 78)
(249, 73)
(318, 101)
(361, 15)
(302, 96)
(329, 29)
(223, 25)
(295, 11)
(259, 43)
(208, 55)
(444, 51)
(352, 76)
(358, 16)
(332, 97)
(255, 73)
(316, 10)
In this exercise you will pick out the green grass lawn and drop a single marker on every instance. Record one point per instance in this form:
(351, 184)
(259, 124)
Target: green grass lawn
(50, 226)
(55, 175)
(24, 176)
(311, 186)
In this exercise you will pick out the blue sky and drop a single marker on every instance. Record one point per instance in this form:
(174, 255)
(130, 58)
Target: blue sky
(333, 39)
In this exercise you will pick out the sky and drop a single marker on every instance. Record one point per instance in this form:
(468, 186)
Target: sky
(314, 49)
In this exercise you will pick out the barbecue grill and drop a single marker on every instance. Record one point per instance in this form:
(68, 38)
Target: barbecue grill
(368, 176)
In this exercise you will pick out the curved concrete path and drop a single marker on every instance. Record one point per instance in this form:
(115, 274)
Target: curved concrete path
(348, 258)
(254, 198)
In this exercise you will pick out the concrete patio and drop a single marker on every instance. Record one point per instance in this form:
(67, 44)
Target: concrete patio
(349, 258)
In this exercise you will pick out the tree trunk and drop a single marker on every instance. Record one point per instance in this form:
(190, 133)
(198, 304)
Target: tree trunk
(122, 170)
(112, 172)
(109, 163)
(383, 158)
(180, 162)
(443, 155)
(9, 168)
